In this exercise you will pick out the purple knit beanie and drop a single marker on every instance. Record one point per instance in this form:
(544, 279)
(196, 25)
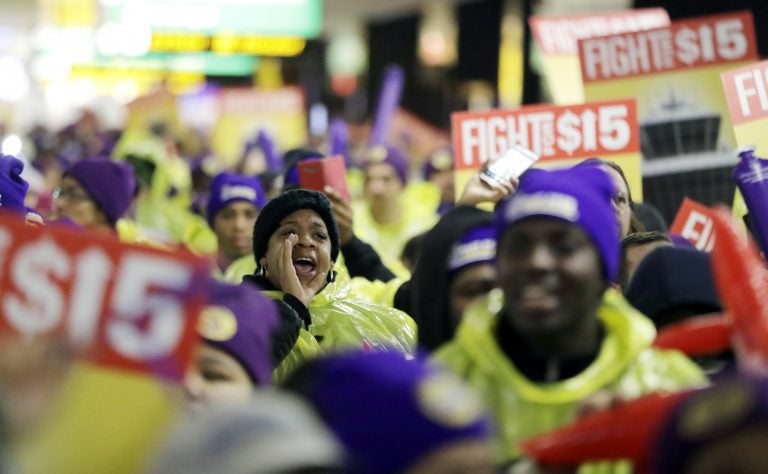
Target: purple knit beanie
(477, 245)
(389, 411)
(239, 320)
(111, 185)
(391, 156)
(229, 187)
(581, 195)
(13, 188)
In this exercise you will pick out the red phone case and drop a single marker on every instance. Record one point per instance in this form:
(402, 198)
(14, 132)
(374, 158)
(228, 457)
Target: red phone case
(318, 173)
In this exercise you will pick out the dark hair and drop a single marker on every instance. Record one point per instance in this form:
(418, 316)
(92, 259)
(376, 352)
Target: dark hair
(412, 250)
(633, 240)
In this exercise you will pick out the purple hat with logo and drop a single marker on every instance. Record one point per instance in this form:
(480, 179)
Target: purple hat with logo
(581, 195)
(229, 187)
(389, 411)
(477, 245)
(111, 185)
(391, 156)
(239, 320)
(13, 188)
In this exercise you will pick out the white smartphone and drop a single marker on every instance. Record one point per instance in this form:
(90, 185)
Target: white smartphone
(512, 164)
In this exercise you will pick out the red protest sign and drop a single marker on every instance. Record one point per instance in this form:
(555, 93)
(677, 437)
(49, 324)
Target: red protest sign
(123, 306)
(694, 221)
(552, 132)
(746, 90)
(704, 41)
(560, 34)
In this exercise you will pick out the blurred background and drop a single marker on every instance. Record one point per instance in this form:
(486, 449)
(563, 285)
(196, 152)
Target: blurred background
(61, 57)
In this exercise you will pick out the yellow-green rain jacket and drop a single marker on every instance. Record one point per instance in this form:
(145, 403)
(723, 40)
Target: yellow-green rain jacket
(340, 321)
(161, 217)
(626, 365)
(420, 201)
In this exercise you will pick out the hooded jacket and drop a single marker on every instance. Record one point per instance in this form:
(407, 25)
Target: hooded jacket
(338, 321)
(420, 201)
(431, 280)
(625, 365)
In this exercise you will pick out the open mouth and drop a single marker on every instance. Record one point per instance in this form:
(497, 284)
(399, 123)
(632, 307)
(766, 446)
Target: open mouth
(304, 265)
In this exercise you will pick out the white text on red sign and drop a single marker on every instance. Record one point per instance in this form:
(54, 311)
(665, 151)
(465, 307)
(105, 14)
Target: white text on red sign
(554, 132)
(698, 229)
(146, 315)
(694, 43)
(559, 35)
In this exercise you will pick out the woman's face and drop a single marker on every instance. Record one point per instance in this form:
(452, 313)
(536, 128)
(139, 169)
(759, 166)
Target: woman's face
(72, 201)
(311, 254)
(217, 377)
(620, 200)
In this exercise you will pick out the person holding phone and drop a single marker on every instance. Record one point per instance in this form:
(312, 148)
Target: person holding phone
(555, 332)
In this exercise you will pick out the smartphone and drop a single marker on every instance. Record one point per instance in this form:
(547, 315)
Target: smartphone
(317, 173)
(512, 164)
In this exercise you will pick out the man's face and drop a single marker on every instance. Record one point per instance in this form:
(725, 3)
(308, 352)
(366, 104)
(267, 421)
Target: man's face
(551, 276)
(382, 182)
(233, 225)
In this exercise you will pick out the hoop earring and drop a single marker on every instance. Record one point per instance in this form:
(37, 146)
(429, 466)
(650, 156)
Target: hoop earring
(262, 271)
(331, 277)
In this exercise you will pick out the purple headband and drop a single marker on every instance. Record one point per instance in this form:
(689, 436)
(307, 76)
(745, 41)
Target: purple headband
(389, 411)
(478, 245)
(111, 185)
(239, 320)
(581, 195)
(229, 187)
(391, 156)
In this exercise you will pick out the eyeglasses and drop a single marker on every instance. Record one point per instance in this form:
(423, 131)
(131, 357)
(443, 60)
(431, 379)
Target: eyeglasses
(621, 200)
(70, 194)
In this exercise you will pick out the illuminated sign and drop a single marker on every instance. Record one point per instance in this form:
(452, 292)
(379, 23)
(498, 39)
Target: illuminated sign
(205, 62)
(227, 44)
(302, 18)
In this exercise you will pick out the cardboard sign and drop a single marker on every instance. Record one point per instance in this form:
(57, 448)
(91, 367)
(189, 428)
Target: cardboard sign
(674, 74)
(561, 135)
(688, 44)
(557, 37)
(694, 221)
(330, 171)
(125, 307)
(746, 90)
(244, 111)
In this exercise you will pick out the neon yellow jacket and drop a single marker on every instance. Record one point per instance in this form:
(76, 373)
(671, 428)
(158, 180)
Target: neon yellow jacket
(340, 321)
(419, 201)
(626, 365)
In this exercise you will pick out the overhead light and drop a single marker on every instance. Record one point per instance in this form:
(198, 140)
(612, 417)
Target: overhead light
(437, 35)
(11, 145)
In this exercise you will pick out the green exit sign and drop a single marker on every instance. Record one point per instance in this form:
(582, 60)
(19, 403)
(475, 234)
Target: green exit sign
(303, 18)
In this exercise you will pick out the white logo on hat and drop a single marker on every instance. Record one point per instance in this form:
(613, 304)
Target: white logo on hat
(477, 251)
(229, 192)
(552, 204)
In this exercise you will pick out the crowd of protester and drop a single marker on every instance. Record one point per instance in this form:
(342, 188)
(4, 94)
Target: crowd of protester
(406, 330)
